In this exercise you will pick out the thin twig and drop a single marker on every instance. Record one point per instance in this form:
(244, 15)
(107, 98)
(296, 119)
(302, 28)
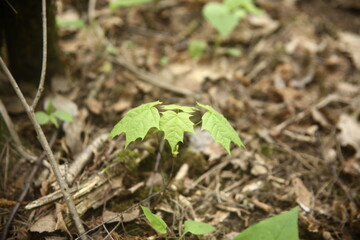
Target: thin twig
(45, 145)
(44, 57)
(322, 103)
(121, 213)
(13, 134)
(157, 163)
(82, 159)
(26, 189)
(40, 134)
(149, 78)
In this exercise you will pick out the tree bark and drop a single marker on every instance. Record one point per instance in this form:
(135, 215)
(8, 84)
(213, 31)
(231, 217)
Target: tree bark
(21, 34)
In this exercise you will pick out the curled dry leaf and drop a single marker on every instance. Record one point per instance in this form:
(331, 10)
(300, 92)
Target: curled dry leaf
(259, 166)
(110, 217)
(44, 224)
(351, 44)
(303, 196)
(73, 131)
(350, 132)
(253, 186)
(63, 103)
(94, 105)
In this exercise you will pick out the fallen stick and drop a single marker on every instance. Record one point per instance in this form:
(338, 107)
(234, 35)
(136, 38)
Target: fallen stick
(150, 78)
(84, 157)
(26, 189)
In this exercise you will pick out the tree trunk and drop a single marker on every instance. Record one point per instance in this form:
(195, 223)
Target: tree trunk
(21, 34)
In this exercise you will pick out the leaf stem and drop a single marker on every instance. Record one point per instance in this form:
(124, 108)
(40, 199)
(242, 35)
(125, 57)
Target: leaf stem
(198, 123)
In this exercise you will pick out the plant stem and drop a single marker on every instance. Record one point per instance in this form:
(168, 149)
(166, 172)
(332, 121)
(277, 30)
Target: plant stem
(45, 145)
(44, 57)
(182, 235)
(217, 44)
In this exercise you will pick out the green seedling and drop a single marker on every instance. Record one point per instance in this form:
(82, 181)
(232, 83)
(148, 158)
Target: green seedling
(193, 227)
(115, 4)
(154, 220)
(226, 16)
(130, 44)
(75, 24)
(280, 227)
(52, 115)
(174, 121)
(164, 61)
(233, 52)
(196, 48)
(111, 49)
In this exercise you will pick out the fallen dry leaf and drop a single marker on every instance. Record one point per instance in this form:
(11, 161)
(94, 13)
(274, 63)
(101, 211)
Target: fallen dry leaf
(61, 102)
(73, 131)
(259, 166)
(110, 217)
(44, 224)
(94, 105)
(303, 196)
(351, 44)
(350, 132)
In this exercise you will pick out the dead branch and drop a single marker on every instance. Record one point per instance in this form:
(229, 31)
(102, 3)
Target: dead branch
(301, 115)
(82, 159)
(10, 126)
(26, 189)
(150, 78)
(44, 56)
(45, 144)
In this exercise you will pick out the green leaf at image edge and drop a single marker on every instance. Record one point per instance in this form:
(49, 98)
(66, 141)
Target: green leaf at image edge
(280, 227)
(219, 128)
(155, 221)
(197, 228)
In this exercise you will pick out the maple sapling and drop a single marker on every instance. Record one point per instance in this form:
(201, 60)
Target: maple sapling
(174, 121)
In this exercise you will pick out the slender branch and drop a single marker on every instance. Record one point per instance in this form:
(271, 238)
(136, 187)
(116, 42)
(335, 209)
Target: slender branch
(45, 145)
(44, 56)
(10, 126)
(25, 190)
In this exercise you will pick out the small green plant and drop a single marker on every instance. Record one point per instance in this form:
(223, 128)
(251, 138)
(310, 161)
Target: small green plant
(164, 60)
(52, 115)
(194, 227)
(196, 48)
(111, 49)
(226, 16)
(76, 24)
(130, 45)
(115, 4)
(280, 227)
(233, 52)
(174, 121)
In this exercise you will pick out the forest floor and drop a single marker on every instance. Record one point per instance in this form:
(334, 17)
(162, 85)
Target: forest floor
(293, 95)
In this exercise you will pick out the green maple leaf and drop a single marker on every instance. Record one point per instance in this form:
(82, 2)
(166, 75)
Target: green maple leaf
(219, 128)
(178, 107)
(137, 122)
(174, 125)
